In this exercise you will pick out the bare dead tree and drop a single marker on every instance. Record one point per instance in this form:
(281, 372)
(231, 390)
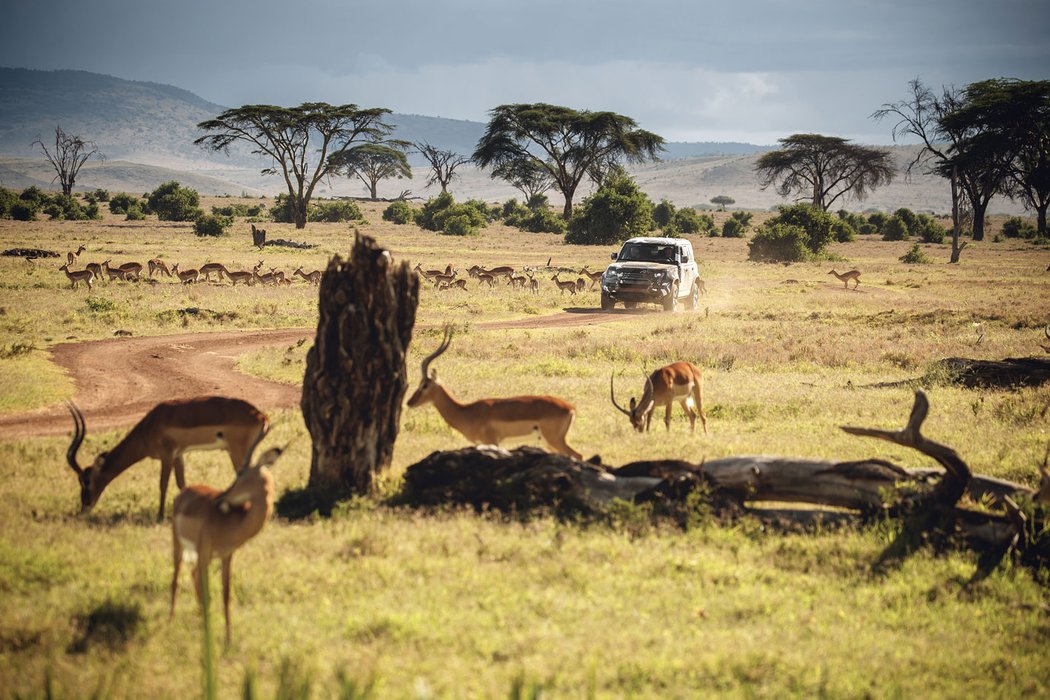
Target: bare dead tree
(68, 156)
(355, 376)
(443, 164)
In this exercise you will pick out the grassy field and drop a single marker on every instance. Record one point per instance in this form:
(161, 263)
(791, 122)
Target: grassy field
(453, 604)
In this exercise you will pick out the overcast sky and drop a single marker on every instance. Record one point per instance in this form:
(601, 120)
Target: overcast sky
(734, 70)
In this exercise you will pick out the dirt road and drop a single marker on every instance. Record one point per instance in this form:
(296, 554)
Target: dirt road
(118, 380)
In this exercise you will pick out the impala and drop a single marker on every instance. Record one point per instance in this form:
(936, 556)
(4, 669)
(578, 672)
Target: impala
(71, 257)
(594, 277)
(311, 277)
(483, 278)
(157, 265)
(1042, 495)
(114, 273)
(85, 276)
(244, 275)
(501, 271)
(569, 286)
(131, 269)
(265, 278)
(217, 268)
(422, 273)
(454, 284)
(847, 276)
(1046, 332)
(442, 278)
(490, 421)
(208, 524)
(678, 381)
(449, 270)
(517, 280)
(166, 433)
(534, 284)
(98, 268)
(278, 275)
(581, 284)
(187, 276)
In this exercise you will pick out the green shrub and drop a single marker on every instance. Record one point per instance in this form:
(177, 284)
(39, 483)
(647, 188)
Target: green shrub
(431, 208)
(817, 223)
(239, 210)
(120, 203)
(915, 256)
(688, 220)
(459, 225)
(733, 228)
(776, 241)
(928, 230)
(438, 210)
(895, 229)
(135, 213)
(399, 212)
(8, 199)
(542, 221)
(281, 211)
(173, 202)
(335, 211)
(842, 231)
(909, 218)
(35, 196)
(211, 225)
(1016, 227)
(878, 220)
(538, 201)
(856, 221)
(101, 195)
(491, 213)
(868, 229)
(514, 213)
(68, 208)
(618, 210)
(663, 213)
(23, 211)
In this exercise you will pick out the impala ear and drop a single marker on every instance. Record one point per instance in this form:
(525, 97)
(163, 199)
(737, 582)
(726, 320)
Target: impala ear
(632, 404)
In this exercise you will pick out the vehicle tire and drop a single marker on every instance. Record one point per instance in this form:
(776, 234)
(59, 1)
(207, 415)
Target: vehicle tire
(630, 305)
(694, 296)
(671, 300)
(607, 303)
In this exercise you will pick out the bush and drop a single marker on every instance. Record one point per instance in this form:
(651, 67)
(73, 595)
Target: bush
(915, 256)
(8, 199)
(776, 241)
(1016, 227)
(537, 201)
(281, 211)
(211, 225)
(399, 212)
(663, 213)
(101, 195)
(909, 218)
(35, 196)
(817, 223)
(121, 203)
(895, 229)
(854, 220)
(23, 211)
(244, 210)
(842, 231)
(878, 220)
(542, 221)
(490, 213)
(134, 213)
(733, 228)
(689, 221)
(437, 211)
(459, 225)
(618, 210)
(927, 229)
(513, 213)
(868, 229)
(68, 208)
(173, 202)
(335, 211)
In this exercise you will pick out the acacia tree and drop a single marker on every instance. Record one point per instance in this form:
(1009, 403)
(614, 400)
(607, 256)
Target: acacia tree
(372, 162)
(723, 201)
(443, 164)
(567, 143)
(67, 157)
(824, 169)
(284, 134)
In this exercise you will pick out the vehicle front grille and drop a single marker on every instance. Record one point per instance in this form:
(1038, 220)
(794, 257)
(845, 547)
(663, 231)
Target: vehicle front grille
(635, 278)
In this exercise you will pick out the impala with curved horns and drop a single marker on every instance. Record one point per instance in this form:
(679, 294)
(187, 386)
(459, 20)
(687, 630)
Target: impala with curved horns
(208, 523)
(168, 431)
(678, 381)
(490, 421)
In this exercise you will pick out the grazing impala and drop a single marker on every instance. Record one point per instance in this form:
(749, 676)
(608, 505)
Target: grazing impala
(212, 268)
(71, 257)
(311, 277)
(569, 286)
(166, 433)
(131, 269)
(157, 265)
(490, 421)
(187, 276)
(847, 276)
(501, 271)
(248, 277)
(678, 381)
(75, 278)
(99, 269)
(210, 524)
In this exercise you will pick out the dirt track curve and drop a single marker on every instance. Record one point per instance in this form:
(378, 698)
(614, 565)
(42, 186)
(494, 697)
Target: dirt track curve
(117, 380)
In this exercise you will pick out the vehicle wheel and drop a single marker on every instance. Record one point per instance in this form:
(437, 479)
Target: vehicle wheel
(607, 303)
(630, 305)
(671, 301)
(694, 296)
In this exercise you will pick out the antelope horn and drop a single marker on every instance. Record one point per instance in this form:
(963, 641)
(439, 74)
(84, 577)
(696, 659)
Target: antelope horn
(79, 430)
(612, 395)
(437, 353)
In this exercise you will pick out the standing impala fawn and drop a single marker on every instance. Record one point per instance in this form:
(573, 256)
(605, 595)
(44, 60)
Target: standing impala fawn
(71, 257)
(167, 432)
(78, 276)
(678, 381)
(311, 277)
(207, 523)
(847, 276)
(186, 276)
(564, 286)
(490, 421)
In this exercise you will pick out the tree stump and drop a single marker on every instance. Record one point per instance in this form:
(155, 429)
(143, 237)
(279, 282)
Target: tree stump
(355, 377)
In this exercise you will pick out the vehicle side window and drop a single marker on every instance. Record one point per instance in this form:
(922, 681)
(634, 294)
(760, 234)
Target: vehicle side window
(685, 255)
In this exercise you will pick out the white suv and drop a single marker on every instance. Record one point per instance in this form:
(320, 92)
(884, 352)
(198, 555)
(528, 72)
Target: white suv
(652, 270)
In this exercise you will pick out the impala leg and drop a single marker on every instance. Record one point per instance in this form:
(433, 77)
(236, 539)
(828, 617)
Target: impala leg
(689, 412)
(698, 400)
(554, 436)
(165, 477)
(667, 415)
(180, 472)
(227, 563)
(177, 561)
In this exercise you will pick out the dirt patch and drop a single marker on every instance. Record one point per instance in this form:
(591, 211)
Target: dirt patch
(118, 380)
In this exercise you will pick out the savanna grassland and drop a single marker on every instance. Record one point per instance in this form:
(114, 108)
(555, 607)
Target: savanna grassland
(456, 604)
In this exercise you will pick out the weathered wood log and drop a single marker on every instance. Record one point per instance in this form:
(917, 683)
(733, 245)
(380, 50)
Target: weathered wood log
(355, 377)
(29, 253)
(1010, 372)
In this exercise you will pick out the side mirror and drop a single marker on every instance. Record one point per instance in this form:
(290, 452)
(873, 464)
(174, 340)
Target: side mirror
(613, 256)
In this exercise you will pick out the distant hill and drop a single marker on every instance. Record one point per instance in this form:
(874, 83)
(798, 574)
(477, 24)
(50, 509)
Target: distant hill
(146, 131)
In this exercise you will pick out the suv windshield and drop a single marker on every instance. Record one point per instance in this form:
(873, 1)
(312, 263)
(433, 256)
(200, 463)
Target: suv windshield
(648, 252)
